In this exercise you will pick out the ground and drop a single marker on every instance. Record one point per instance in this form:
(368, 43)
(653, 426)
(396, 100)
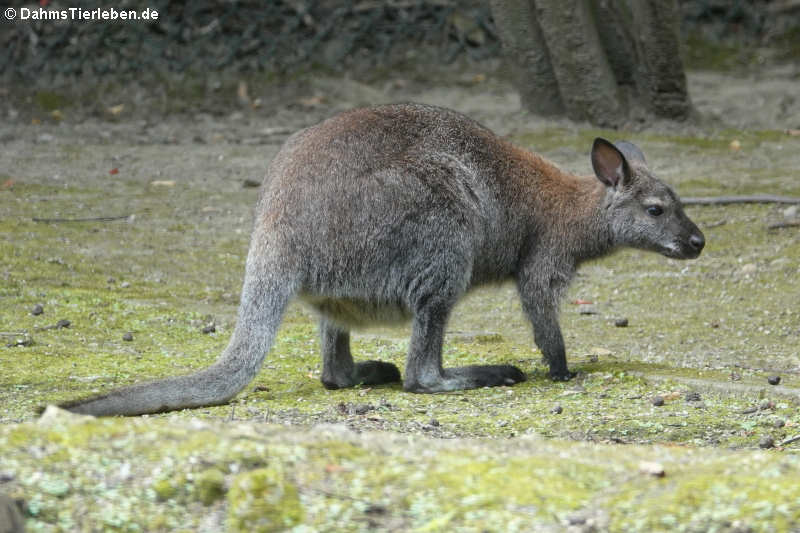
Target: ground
(177, 163)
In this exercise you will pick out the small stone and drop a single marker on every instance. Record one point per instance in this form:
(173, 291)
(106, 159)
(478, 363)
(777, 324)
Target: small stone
(375, 509)
(658, 401)
(128, 337)
(766, 404)
(621, 322)
(693, 396)
(124, 285)
(778, 423)
(435, 423)
(766, 442)
(25, 340)
(557, 410)
(790, 212)
(63, 323)
(37, 310)
(251, 183)
(652, 468)
(749, 268)
(774, 380)
(211, 328)
(362, 408)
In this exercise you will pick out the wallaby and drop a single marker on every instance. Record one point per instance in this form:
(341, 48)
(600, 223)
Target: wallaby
(393, 213)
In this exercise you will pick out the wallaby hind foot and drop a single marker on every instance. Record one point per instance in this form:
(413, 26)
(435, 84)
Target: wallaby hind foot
(338, 369)
(366, 373)
(467, 377)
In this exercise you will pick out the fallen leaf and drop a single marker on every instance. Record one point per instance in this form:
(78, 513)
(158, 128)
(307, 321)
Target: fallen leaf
(735, 145)
(162, 183)
(115, 110)
(582, 302)
(242, 93)
(671, 396)
(7, 184)
(56, 114)
(793, 133)
(113, 171)
(313, 101)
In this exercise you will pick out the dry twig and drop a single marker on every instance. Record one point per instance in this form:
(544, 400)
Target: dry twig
(753, 199)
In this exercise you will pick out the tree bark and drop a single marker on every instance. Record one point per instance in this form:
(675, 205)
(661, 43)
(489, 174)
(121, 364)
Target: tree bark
(527, 55)
(605, 61)
(661, 76)
(587, 83)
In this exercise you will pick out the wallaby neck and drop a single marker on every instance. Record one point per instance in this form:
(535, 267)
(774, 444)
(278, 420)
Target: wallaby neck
(570, 212)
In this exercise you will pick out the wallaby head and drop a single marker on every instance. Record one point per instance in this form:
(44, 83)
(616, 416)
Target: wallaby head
(643, 211)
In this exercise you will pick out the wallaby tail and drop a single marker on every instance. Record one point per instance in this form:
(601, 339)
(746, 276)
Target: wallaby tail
(260, 311)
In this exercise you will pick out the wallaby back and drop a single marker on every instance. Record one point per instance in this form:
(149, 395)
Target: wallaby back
(394, 212)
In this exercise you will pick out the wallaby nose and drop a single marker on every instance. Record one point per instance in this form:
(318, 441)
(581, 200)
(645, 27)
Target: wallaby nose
(697, 241)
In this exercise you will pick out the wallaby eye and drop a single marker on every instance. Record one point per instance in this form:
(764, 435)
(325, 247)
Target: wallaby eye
(655, 210)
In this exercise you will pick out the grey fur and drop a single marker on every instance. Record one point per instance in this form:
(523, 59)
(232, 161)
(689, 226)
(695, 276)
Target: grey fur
(395, 212)
(631, 152)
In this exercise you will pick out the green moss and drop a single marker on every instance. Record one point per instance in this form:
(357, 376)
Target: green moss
(165, 489)
(328, 479)
(702, 53)
(752, 492)
(708, 326)
(209, 485)
(263, 500)
(50, 101)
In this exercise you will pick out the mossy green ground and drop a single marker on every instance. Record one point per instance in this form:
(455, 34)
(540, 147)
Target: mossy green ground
(179, 474)
(717, 326)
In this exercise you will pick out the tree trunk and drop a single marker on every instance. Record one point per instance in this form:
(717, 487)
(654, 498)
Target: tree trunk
(605, 61)
(661, 77)
(585, 79)
(527, 56)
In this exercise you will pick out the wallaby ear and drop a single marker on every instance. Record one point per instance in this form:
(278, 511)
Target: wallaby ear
(631, 152)
(609, 164)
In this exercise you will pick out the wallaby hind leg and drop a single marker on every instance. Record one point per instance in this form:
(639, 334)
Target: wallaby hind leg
(424, 370)
(338, 368)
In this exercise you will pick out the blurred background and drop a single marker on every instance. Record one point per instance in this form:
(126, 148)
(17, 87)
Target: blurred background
(213, 46)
